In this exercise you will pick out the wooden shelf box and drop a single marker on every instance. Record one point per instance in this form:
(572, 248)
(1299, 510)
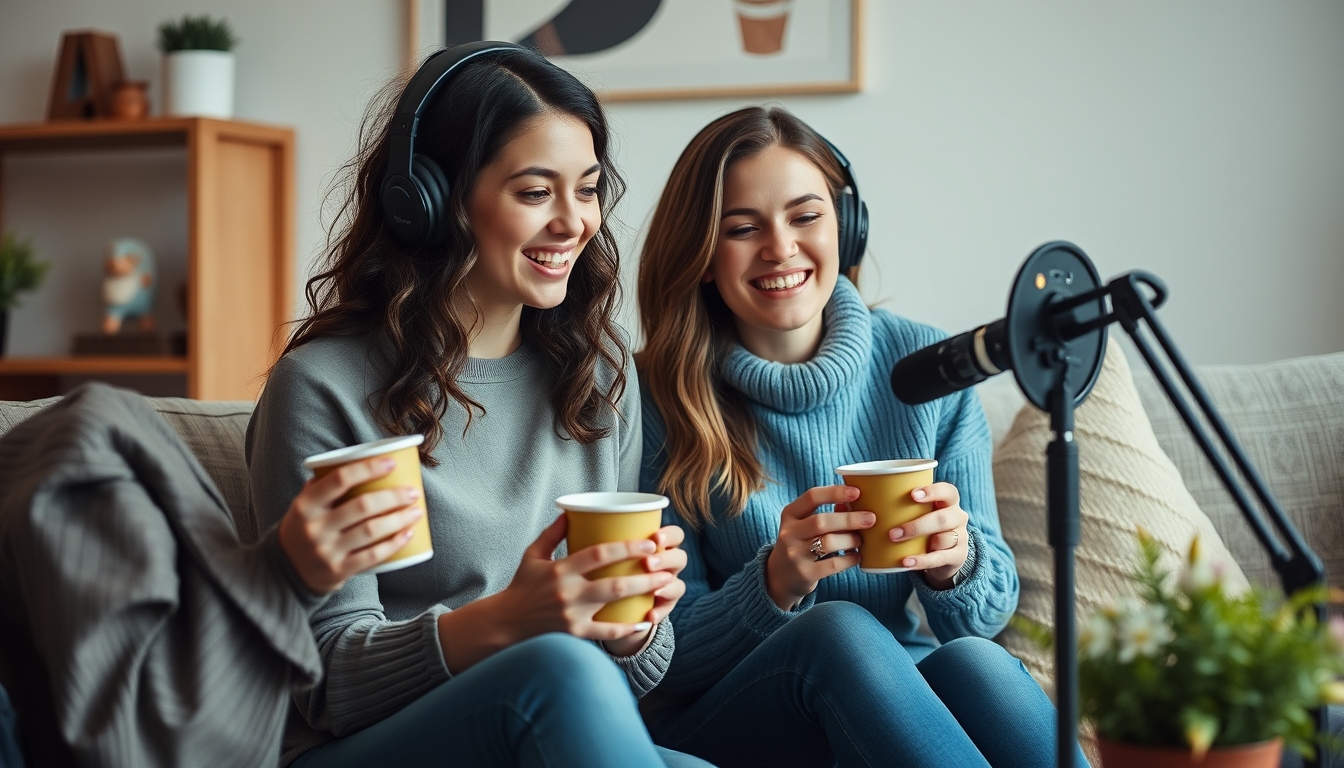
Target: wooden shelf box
(240, 251)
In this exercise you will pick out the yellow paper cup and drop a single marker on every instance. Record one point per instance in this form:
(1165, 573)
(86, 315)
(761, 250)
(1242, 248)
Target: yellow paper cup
(406, 474)
(884, 489)
(599, 518)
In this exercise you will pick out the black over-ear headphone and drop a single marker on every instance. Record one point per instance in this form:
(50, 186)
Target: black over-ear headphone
(853, 215)
(415, 190)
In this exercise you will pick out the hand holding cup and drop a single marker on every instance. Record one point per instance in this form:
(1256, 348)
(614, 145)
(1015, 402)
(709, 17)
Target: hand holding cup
(328, 537)
(800, 556)
(944, 529)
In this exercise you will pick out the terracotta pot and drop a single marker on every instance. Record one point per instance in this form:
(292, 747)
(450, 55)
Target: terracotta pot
(1265, 754)
(130, 100)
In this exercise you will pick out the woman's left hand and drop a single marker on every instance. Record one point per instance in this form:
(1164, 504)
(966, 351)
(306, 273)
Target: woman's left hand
(946, 528)
(670, 558)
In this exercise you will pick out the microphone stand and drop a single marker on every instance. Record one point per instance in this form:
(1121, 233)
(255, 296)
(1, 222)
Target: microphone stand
(1058, 331)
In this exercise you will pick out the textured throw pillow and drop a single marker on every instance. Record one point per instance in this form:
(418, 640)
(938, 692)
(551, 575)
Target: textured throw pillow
(1125, 480)
(1289, 418)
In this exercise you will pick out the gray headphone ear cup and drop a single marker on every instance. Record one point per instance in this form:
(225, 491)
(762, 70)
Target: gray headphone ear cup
(434, 185)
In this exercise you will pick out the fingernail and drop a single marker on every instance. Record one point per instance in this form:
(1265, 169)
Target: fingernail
(388, 463)
(654, 562)
(896, 534)
(908, 562)
(647, 547)
(412, 493)
(867, 518)
(851, 493)
(407, 534)
(643, 626)
(918, 494)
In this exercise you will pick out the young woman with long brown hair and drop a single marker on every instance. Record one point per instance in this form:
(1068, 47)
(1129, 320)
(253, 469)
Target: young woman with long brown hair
(492, 336)
(764, 371)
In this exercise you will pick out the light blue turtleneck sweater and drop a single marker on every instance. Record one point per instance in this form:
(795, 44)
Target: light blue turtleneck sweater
(812, 417)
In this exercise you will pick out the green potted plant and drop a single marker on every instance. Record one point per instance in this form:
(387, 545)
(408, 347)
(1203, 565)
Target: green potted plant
(19, 273)
(197, 66)
(1188, 674)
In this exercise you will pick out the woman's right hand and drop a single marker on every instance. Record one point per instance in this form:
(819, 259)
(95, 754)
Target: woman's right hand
(328, 543)
(792, 569)
(556, 596)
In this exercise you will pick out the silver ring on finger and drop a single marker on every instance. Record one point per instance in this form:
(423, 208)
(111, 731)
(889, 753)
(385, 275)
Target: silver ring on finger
(956, 538)
(816, 549)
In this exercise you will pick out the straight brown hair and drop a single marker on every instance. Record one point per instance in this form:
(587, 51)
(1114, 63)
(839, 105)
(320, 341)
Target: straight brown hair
(688, 330)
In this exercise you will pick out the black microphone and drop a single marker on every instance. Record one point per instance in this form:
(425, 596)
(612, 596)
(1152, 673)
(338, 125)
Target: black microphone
(951, 365)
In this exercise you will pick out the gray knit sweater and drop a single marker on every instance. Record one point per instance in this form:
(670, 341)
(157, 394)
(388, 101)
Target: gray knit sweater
(489, 498)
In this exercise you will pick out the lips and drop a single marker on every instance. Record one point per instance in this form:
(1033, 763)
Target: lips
(771, 283)
(550, 257)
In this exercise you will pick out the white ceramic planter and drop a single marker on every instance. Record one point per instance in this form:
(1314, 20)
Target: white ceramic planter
(198, 83)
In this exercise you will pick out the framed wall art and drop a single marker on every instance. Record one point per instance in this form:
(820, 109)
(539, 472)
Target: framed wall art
(669, 49)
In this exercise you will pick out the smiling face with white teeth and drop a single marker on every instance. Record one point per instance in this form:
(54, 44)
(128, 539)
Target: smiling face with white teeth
(532, 211)
(777, 256)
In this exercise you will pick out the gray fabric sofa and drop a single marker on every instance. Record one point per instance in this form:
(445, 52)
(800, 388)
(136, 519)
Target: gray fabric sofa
(1289, 416)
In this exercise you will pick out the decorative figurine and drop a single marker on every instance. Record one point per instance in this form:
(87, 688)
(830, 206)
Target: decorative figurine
(128, 288)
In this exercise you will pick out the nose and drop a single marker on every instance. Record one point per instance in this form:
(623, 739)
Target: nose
(568, 220)
(780, 246)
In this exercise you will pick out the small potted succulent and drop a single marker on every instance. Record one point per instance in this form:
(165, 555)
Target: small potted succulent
(1188, 674)
(19, 272)
(197, 66)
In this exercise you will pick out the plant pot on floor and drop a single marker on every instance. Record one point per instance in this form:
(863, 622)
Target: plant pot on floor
(1265, 754)
(198, 83)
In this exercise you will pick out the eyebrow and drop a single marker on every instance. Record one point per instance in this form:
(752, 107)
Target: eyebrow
(794, 202)
(548, 173)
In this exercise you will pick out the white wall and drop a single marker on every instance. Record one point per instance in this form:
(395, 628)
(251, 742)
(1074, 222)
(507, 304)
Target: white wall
(1202, 140)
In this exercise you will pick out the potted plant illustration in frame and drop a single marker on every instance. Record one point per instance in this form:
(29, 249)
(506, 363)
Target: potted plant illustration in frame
(198, 66)
(1187, 674)
(19, 273)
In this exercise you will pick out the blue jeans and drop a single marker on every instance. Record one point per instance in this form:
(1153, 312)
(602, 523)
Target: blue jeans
(554, 701)
(834, 686)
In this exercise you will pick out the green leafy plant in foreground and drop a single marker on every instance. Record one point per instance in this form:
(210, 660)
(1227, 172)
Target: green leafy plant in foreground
(196, 33)
(1188, 664)
(19, 271)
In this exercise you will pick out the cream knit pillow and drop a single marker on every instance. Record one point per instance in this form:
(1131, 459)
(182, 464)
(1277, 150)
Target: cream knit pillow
(1125, 480)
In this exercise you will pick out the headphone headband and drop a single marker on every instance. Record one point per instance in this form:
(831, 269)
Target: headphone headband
(415, 191)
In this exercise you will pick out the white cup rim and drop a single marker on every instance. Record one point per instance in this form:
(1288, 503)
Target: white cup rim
(611, 501)
(887, 467)
(362, 451)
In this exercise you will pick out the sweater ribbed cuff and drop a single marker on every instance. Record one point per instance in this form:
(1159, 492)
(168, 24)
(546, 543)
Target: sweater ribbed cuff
(378, 668)
(751, 597)
(645, 670)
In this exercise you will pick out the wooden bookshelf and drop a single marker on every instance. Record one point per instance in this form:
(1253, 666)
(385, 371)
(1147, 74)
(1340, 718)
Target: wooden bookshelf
(240, 250)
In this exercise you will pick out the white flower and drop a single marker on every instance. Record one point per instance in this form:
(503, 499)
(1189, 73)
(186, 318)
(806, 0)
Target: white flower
(1200, 572)
(1142, 632)
(1097, 637)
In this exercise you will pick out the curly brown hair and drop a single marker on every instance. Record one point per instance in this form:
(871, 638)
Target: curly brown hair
(416, 301)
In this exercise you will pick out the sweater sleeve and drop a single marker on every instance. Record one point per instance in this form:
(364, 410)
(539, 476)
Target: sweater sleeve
(374, 667)
(718, 628)
(981, 604)
(644, 669)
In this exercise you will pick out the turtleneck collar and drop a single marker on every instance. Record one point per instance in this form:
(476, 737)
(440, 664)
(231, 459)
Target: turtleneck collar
(846, 346)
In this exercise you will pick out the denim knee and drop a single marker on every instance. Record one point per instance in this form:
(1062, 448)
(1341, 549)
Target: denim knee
(566, 666)
(839, 632)
(975, 656)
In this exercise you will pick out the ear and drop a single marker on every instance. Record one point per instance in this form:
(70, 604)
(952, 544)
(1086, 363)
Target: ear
(708, 277)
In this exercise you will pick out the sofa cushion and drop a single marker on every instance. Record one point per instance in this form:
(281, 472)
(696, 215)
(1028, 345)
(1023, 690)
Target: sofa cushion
(213, 430)
(1125, 480)
(1288, 416)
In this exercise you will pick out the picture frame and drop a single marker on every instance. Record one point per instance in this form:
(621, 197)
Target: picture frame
(639, 50)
